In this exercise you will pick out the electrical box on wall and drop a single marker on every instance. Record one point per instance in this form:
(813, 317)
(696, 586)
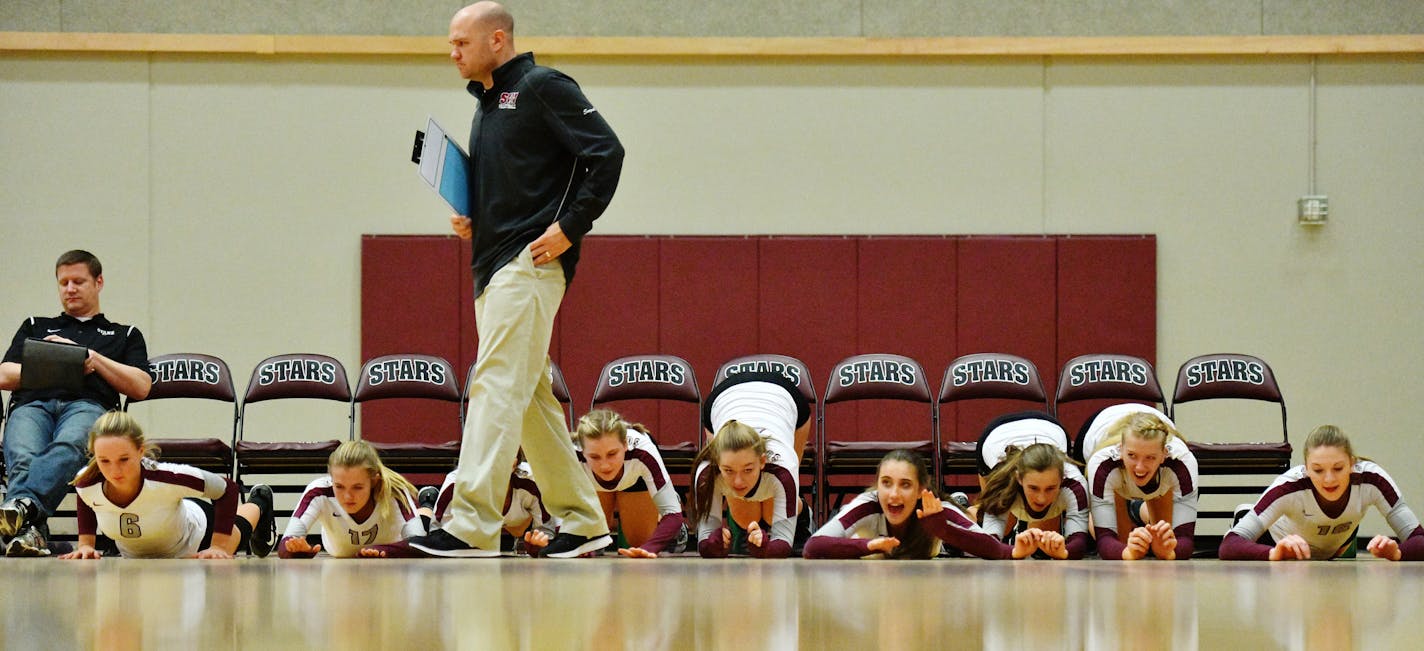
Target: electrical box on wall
(1313, 210)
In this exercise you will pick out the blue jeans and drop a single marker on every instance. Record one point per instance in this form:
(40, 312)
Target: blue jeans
(46, 443)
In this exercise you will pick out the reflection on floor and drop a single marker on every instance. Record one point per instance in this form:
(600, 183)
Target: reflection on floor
(683, 603)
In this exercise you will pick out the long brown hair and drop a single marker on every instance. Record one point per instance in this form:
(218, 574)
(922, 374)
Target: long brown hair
(731, 437)
(114, 423)
(1001, 486)
(915, 542)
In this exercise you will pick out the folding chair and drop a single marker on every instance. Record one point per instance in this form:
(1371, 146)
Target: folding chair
(879, 377)
(983, 376)
(307, 376)
(794, 370)
(658, 377)
(1120, 378)
(1239, 377)
(561, 393)
(419, 377)
(194, 376)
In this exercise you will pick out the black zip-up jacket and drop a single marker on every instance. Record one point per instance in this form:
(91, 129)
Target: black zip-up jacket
(539, 152)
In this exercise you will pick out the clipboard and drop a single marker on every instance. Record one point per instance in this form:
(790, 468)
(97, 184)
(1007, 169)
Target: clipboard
(52, 365)
(444, 165)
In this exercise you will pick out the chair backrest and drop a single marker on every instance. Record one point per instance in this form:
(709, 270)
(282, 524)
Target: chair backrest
(877, 376)
(880, 376)
(1116, 377)
(297, 375)
(789, 367)
(651, 377)
(992, 375)
(1228, 375)
(189, 375)
(407, 376)
(646, 377)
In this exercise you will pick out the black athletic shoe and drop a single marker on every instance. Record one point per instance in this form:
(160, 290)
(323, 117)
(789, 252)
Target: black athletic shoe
(441, 543)
(960, 500)
(15, 514)
(567, 545)
(427, 497)
(264, 533)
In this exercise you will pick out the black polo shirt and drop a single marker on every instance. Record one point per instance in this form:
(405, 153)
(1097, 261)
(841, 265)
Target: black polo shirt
(116, 341)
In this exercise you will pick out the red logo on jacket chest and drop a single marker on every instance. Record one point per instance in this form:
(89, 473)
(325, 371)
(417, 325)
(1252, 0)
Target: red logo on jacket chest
(507, 100)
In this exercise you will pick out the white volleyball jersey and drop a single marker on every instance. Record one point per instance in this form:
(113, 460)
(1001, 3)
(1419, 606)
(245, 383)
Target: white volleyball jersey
(523, 505)
(643, 469)
(1107, 479)
(341, 535)
(768, 408)
(1072, 504)
(159, 522)
(1020, 434)
(1290, 506)
(862, 518)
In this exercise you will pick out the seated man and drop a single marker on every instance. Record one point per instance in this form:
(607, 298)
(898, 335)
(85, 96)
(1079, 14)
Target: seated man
(47, 434)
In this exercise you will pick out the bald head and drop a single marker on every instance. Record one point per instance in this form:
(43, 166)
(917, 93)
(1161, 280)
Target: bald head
(488, 15)
(481, 39)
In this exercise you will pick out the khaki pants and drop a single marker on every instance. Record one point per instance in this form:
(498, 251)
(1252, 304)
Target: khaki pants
(512, 404)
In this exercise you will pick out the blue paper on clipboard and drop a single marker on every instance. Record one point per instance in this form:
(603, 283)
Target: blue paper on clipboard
(446, 167)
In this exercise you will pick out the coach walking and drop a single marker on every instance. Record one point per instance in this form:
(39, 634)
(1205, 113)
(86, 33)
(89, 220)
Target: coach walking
(544, 165)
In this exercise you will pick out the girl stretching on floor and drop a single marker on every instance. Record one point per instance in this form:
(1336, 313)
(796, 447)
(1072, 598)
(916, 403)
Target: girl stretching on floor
(1314, 510)
(359, 504)
(900, 518)
(751, 465)
(154, 510)
(633, 486)
(1137, 454)
(1033, 497)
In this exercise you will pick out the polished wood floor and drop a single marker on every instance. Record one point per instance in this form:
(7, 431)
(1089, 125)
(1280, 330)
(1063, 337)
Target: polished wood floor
(688, 603)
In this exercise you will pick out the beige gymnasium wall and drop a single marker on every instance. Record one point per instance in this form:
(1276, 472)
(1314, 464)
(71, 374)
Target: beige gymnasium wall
(226, 193)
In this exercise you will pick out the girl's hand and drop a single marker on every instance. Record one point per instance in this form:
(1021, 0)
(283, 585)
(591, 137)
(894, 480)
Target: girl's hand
(726, 538)
(636, 552)
(883, 545)
(213, 553)
(84, 552)
(1292, 546)
(1164, 540)
(755, 535)
(1385, 547)
(1138, 542)
(929, 505)
(536, 540)
(301, 546)
(1025, 543)
(1052, 543)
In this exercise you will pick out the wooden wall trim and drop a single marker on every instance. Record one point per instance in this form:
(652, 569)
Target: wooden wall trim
(717, 47)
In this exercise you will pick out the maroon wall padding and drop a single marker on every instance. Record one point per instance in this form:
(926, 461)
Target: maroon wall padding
(707, 314)
(819, 299)
(1006, 304)
(610, 311)
(1107, 303)
(409, 305)
(807, 307)
(907, 305)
